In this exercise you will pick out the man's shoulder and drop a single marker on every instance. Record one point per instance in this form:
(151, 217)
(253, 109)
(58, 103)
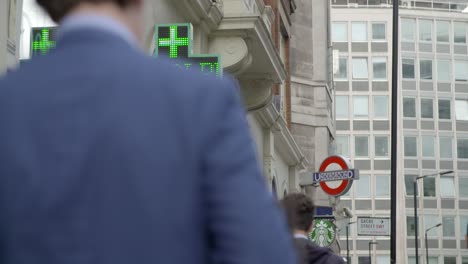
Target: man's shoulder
(319, 255)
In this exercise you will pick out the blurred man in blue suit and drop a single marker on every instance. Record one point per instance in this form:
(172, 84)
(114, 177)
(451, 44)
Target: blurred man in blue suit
(108, 156)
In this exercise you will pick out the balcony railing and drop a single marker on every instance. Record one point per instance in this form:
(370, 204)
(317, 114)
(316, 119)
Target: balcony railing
(433, 5)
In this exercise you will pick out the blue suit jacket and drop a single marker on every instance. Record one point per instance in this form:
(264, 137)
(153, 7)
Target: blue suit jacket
(108, 156)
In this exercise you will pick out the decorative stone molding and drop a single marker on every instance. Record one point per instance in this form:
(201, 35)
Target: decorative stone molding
(208, 12)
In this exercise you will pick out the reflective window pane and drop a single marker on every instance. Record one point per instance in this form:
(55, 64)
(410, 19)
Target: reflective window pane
(411, 149)
(361, 146)
(379, 66)
(428, 146)
(381, 146)
(381, 106)
(407, 29)
(443, 29)
(363, 187)
(443, 71)
(425, 30)
(342, 145)
(360, 68)
(459, 29)
(430, 221)
(425, 69)
(409, 179)
(340, 32)
(408, 68)
(342, 106)
(378, 31)
(410, 227)
(463, 187)
(429, 187)
(359, 31)
(461, 71)
(342, 69)
(445, 147)
(448, 226)
(427, 108)
(461, 110)
(444, 109)
(383, 259)
(382, 186)
(447, 187)
(462, 148)
(361, 106)
(409, 107)
(450, 260)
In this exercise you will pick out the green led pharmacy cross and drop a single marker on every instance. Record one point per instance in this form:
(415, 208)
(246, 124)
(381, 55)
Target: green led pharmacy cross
(175, 42)
(42, 40)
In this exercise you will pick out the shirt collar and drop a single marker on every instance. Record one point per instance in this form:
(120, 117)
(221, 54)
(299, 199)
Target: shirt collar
(99, 22)
(301, 236)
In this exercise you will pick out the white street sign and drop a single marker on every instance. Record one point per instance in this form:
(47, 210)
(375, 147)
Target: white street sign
(373, 226)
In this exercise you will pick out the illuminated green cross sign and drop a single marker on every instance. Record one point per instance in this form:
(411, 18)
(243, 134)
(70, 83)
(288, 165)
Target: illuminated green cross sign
(175, 41)
(42, 40)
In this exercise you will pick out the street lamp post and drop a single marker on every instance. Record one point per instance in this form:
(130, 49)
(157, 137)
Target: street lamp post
(425, 239)
(415, 192)
(347, 241)
(370, 255)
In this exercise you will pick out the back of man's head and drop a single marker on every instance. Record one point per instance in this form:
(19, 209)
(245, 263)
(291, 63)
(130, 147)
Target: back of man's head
(299, 210)
(58, 9)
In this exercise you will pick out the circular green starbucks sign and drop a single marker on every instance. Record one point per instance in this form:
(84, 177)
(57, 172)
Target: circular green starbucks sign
(323, 233)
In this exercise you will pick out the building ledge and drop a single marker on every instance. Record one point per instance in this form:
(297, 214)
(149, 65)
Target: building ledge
(284, 141)
(208, 12)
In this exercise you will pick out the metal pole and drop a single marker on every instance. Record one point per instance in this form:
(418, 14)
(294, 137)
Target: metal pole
(370, 257)
(394, 138)
(347, 243)
(415, 190)
(427, 251)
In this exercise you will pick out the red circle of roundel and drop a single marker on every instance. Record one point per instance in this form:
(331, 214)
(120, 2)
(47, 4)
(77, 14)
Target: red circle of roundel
(344, 184)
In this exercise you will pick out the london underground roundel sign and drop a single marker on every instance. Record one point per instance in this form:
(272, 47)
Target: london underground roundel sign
(343, 177)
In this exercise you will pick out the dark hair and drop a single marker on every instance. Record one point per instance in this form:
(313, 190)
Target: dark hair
(299, 210)
(57, 9)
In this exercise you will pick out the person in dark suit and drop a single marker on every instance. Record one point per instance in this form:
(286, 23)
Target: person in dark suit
(110, 156)
(299, 210)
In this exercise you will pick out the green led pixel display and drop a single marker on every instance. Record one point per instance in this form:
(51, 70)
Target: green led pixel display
(175, 42)
(42, 40)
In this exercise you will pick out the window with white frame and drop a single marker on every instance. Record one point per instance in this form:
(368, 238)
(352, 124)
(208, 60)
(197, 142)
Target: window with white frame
(411, 148)
(461, 71)
(427, 108)
(433, 260)
(462, 148)
(342, 73)
(409, 179)
(427, 143)
(363, 187)
(425, 30)
(445, 147)
(463, 225)
(378, 31)
(361, 106)
(444, 109)
(430, 221)
(408, 29)
(342, 145)
(429, 187)
(463, 186)
(409, 107)
(443, 71)
(447, 187)
(360, 68)
(361, 146)
(443, 31)
(461, 109)
(383, 259)
(425, 69)
(408, 68)
(340, 32)
(450, 260)
(381, 146)
(379, 67)
(382, 186)
(459, 30)
(359, 31)
(342, 106)
(448, 227)
(381, 106)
